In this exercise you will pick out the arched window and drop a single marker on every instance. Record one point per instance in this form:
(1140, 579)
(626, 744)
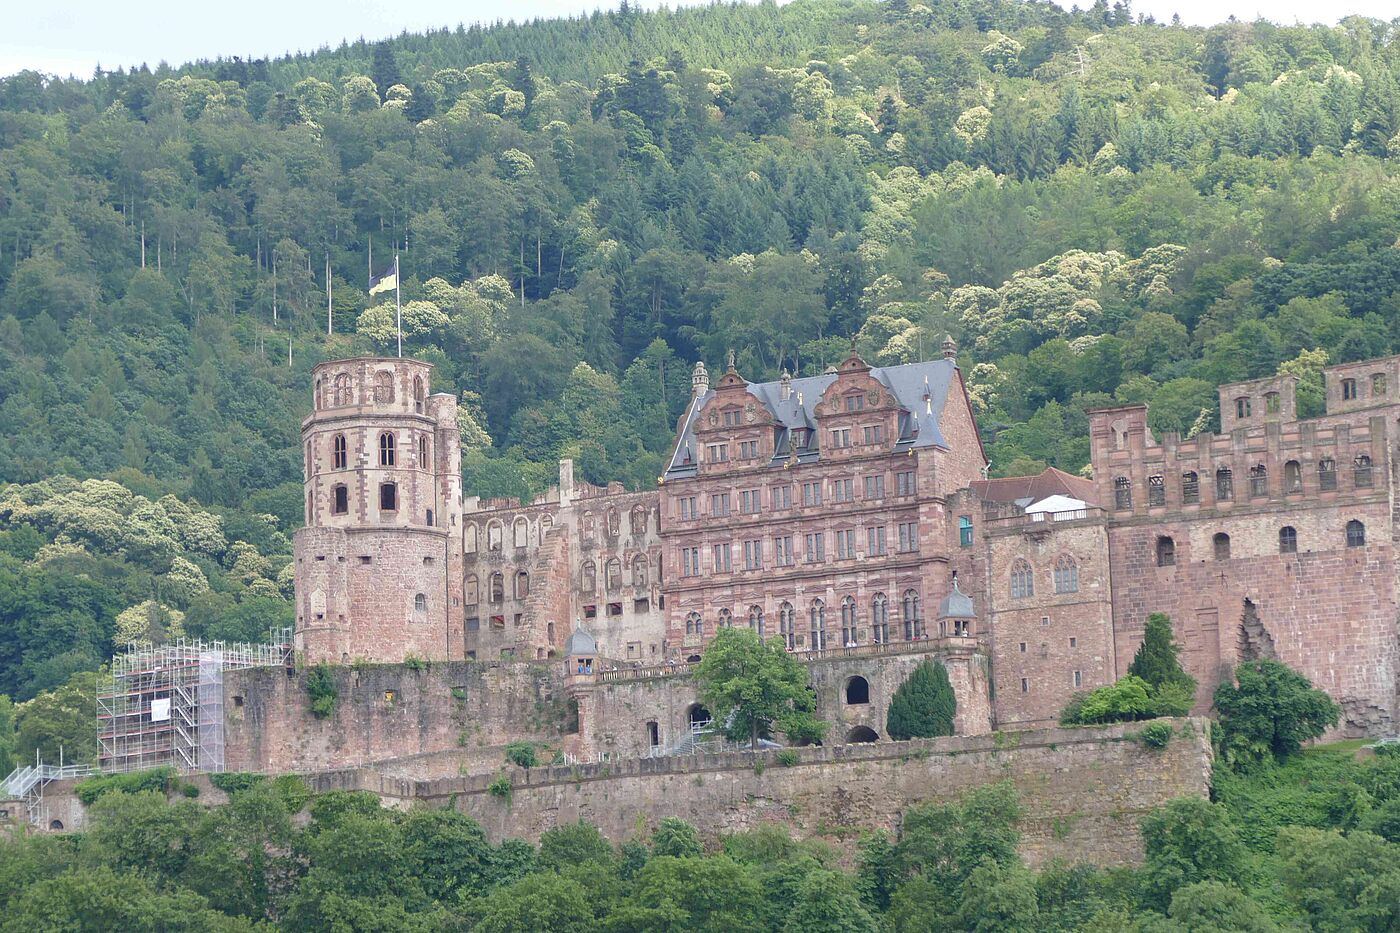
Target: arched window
(698, 717)
(862, 735)
(383, 386)
(639, 572)
(1378, 384)
(387, 454)
(1258, 480)
(344, 395)
(586, 526)
(639, 520)
(423, 452)
(614, 574)
(471, 590)
(1292, 477)
(1356, 534)
(418, 394)
(1326, 474)
(1022, 580)
(1288, 540)
(339, 454)
(787, 625)
(1190, 488)
(817, 618)
(494, 533)
(388, 497)
(1166, 551)
(546, 523)
(1066, 575)
(1221, 543)
(614, 523)
(522, 584)
(848, 621)
(1122, 492)
(756, 620)
(420, 603)
(521, 531)
(498, 587)
(1361, 471)
(1156, 490)
(469, 538)
(340, 499)
(880, 619)
(1224, 485)
(913, 625)
(726, 619)
(693, 624)
(589, 584)
(857, 691)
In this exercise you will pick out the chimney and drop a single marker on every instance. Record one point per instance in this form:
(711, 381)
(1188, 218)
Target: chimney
(785, 387)
(699, 379)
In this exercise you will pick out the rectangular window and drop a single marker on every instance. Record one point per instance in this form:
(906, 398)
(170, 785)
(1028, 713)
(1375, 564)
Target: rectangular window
(718, 453)
(845, 544)
(723, 558)
(748, 450)
(811, 493)
(874, 434)
(750, 501)
(841, 437)
(731, 418)
(753, 555)
(843, 490)
(782, 551)
(340, 500)
(1025, 685)
(965, 531)
(815, 547)
(690, 561)
(855, 403)
(904, 483)
(719, 504)
(1023, 647)
(875, 541)
(1074, 642)
(780, 497)
(688, 509)
(875, 487)
(474, 624)
(1078, 680)
(908, 536)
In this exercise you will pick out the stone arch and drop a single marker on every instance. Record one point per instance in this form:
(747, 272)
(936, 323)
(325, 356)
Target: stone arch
(344, 393)
(639, 571)
(494, 533)
(698, 717)
(520, 531)
(614, 523)
(857, 691)
(589, 583)
(862, 735)
(522, 584)
(469, 538)
(639, 520)
(613, 572)
(384, 386)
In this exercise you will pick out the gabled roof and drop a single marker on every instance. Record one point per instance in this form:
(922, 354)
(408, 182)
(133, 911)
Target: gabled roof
(1028, 489)
(920, 389)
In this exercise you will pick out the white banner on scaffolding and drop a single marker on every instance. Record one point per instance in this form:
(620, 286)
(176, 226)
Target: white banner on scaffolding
(160, 710)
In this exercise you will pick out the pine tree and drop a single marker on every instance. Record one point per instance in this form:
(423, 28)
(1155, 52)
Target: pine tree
(385, 70)
(924, 705)
(1158, 657)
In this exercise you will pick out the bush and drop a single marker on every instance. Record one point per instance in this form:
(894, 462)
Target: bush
(320, 685)
(1128, 700)
(501, 787)
(190, 790)
(133, 782)
(522, 754)
(788, 757)
(233, 782)
(924, 705)
(1272, 710)
(1156, 734)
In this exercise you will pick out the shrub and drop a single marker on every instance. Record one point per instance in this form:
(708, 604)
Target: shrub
(522, 754)
(788, 757)
(1272, 710)
(924, 705)
(232, 782)
(1127, 700)
(190, 790)
(1158, 657)
(501, 787)
(133, 782)
(1156, 734)
(415, 663)
(320, 685)
(675, 837)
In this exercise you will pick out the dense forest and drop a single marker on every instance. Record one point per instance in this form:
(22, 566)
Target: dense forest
(1095, 205)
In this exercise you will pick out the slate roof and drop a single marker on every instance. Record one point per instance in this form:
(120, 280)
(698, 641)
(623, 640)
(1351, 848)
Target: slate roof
(1028, 489)
(956, 605)
(580, 643)
(907, 384)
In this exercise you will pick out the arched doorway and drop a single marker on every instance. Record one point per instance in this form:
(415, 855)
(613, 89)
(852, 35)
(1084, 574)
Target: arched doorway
(861, 735)
(857, 691)
(698, 718)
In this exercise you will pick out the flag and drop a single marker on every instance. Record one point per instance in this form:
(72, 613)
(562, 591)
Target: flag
(386, 281)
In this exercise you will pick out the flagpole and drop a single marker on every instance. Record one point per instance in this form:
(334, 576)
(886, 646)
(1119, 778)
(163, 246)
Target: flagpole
(398, 306)
(329, 317)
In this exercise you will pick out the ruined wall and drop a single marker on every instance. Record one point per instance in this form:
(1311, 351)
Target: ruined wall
(387, 711)
(1083, 791)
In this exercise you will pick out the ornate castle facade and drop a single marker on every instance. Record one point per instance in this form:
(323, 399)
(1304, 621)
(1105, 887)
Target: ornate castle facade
(849, 514)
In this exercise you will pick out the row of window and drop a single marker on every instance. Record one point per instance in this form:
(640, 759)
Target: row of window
(1064, 576)
(754, 550)
(612, 574)
(342, 390)
(388, 452)
(789, 629)
(871, 435)
(750, 501)
(1287, 543)
(1350, 389)
(496, 587)
(1362, 477)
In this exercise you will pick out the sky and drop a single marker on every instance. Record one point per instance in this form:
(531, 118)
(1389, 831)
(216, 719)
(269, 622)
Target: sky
(73, 36)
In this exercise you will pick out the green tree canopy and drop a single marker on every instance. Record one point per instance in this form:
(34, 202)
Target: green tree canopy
(924, 705)
(754, 686)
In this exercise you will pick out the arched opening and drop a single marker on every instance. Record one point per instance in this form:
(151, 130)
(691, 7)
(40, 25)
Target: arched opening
(857, 691)
(418, 394)
(56, 825)
(1221, 543)
(698, 718)
(693, 659)
(420, 603)
(343, 394)
(521, 532)
(522, 584)
(383, 386)
(1356, 534)
(862, 735)
(1288, 540)
(1292, 477)
(1166, 551)
(339, 451)
(387, 453)
(880, 619)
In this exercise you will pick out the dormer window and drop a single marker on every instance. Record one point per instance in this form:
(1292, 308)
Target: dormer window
(732, 417)
(799, 437)
(855, 402)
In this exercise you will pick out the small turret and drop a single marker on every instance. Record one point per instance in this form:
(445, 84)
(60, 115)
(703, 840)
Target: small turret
(950, 348)
(785, 386)
(956, 613)
(699, 379)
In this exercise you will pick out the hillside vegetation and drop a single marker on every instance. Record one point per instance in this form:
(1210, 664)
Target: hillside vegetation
(1095, 207)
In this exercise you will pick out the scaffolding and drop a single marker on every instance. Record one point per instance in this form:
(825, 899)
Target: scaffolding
(164, 705)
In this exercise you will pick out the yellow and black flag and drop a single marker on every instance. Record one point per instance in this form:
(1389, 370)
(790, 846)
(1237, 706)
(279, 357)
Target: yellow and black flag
(386, 281)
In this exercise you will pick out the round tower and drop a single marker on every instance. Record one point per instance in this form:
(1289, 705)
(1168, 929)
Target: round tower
(382, 467)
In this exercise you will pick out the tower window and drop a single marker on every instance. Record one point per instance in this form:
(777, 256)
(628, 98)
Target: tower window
(338, 452)
(1288, 540)
(422, 453)
(388, 497)
(340, 499)
(420, 603)
(1356, 534)
(383, 387)
(1221, 543)
(1122, 492)
(1348, 389)
(386, 449)
(1166, 552)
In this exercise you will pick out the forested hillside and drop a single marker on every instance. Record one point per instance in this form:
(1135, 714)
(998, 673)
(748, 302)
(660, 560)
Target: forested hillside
(1094, 206)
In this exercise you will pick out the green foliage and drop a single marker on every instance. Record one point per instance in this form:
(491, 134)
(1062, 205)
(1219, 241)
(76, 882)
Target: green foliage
(523, 754)
(233, 782)
(1126, 700)
(788, 757)
(1156, 734)
(131, 782)
(1158, 660)
(573, 844)
(501, 788)
(1269, 709)
(761, 683)
(322, 690)
(924, 705)
(675, 838)
(1188, 841)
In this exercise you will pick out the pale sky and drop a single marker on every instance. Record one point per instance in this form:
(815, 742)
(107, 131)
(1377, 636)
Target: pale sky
(72, 36)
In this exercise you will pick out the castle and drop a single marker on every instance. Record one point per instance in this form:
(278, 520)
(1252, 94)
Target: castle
(849, 514)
